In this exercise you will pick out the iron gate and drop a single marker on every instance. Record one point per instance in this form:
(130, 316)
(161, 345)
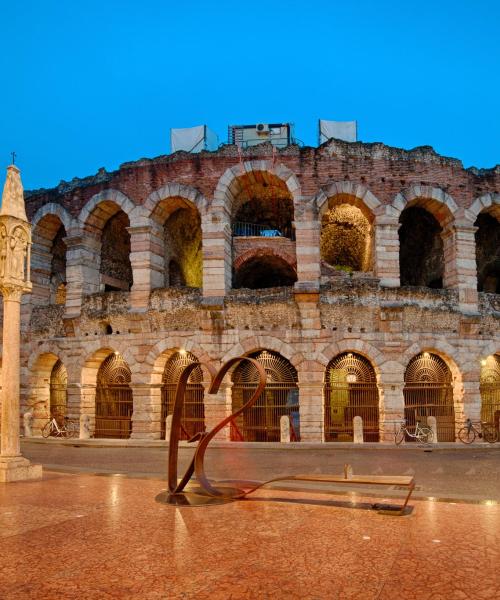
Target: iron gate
(490, 391)
(262, 421)
(350, 391)
(193, 413)
(58, 391)
(113, 402)
(428, 392)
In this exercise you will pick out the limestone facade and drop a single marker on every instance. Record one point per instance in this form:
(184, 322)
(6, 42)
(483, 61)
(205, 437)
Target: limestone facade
(181, 296)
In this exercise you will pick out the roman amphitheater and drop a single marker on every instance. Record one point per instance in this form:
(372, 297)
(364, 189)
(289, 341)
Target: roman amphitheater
(366, 279)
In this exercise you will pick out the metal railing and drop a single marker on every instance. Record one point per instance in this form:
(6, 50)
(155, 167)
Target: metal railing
(490, 403)
(193, 413)
(343, 402)
(261, 422)
(254, 230)
(424, 400)
(113, 411)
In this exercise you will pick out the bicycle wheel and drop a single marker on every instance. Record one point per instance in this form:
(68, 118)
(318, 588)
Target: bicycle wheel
(425, 435)
(490, 434)
(47, 429)
(399, 436)
(467, 435)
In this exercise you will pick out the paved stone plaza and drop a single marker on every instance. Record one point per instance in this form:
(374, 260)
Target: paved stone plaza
(87, 536)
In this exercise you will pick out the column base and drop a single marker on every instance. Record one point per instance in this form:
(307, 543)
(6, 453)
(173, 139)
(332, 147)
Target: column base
(18, 468)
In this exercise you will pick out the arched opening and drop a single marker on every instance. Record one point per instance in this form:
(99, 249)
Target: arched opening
(421, 255)
(113, 399)
(48, 260)
(264, 271)
(490, 390)
(58, 391)
(350, 391)
(193, 414)
(488, 253)
(115, 268)
(183, 248)
(262, 217)
(346, 235)
(428, 392)
(261, 422)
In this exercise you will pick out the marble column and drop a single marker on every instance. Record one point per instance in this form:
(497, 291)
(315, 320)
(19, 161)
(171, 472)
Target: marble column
(15, 244)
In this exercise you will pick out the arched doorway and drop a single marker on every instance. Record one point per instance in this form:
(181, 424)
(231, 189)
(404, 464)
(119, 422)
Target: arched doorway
(261, 422)
(490, 390)
(488, 252)
(58, 390)
(264, 270)
(113, 399)
(193, 414)
(346, 235)
(421, 252)
(350, 391)
(115, 267)
(428, 392)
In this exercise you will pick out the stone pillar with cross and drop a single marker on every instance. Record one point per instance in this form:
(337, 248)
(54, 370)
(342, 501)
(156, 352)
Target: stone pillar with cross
(15, 246)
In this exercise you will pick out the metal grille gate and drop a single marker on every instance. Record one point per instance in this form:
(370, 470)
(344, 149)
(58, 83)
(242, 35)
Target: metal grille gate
(261, 423)
(58, 391)
(193, 414)
(490, 391)
(350, 391)
(428, 392)
(113, 401)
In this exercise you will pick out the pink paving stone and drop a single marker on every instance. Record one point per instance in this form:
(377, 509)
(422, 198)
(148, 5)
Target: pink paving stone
(85, 536)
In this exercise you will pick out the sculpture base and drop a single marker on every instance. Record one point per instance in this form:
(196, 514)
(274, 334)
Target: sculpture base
(194, 496)
(18, 468)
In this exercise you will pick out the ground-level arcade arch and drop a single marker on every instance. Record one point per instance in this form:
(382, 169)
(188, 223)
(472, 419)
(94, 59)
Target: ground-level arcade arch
(48, 389)
(428, 392)
(193, 414)
(350, 390)
(261, 423)
(490, 390)
(107, 400)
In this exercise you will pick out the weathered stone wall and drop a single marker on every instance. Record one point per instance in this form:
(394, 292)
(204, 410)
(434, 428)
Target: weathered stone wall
(308, 324)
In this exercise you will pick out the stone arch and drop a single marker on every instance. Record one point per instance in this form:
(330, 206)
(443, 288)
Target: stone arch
(154, 363)
(360, 196)
(446, 353)
(486, 214)
(104, 411)
(227, 186)
(52, 209)
(350, 394)
(486, 203)
(101, 207)
(435, 200)
(280, 398)
(371, 353)
(346, 213)
(182, 194)
(40, 368)
(253, 343)
(260, 267)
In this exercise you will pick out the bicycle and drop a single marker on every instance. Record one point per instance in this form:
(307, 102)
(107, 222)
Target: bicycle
(469, 432)
(67, 429)
(423, 433)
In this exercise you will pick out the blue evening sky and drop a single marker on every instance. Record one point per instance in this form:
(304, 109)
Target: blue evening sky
(88, 84)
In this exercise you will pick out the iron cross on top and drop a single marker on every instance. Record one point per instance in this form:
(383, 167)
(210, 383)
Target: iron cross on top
(13, 154)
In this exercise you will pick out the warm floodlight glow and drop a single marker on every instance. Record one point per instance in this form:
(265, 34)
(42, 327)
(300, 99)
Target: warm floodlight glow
(483, 362)
(182, 352)
(426, 355)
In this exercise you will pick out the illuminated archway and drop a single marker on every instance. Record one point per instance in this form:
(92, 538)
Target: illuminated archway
(113, 399)
(261, 423)
(193, 415)
(58, 390)
(428, 392)
(350, 391)
(490, 390)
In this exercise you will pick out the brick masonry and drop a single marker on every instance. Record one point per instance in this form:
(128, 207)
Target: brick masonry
(309, 324)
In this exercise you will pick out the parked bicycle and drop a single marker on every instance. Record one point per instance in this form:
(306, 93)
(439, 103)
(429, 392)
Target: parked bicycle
(470, 431)
(422, 433)
(65, 427)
